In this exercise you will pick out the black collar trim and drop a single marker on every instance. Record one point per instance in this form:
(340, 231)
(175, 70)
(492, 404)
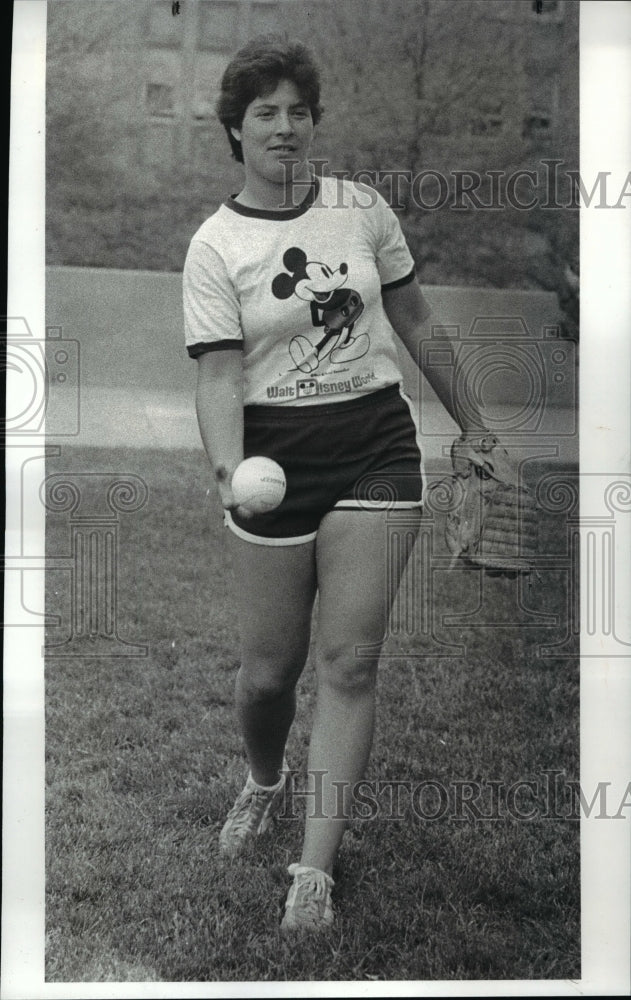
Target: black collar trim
(273, 214)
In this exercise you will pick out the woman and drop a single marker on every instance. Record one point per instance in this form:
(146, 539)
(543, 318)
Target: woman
(292, 291)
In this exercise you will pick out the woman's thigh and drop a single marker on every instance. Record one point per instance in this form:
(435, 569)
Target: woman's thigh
(274, 591)
(361, 556)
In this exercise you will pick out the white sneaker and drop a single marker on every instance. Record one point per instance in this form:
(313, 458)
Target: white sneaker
(308, 907)
(251, 814)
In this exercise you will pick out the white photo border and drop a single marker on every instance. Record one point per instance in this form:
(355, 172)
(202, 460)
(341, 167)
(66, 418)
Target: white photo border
(605, 41)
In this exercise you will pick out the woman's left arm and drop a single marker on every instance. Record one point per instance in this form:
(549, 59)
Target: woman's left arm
(409, 314)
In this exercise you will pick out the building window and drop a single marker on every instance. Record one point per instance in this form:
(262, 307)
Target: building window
(264, 18)
(217, 26)
(544, 103)
(201, 150)
(164, 30)
(489, 121)
(548, 10)
(437, 125)
(159, 144)
(160, 100)
(203, 109)
(537, 125)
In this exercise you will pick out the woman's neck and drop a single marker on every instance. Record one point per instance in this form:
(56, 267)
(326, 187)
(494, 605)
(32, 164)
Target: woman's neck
(257, 192)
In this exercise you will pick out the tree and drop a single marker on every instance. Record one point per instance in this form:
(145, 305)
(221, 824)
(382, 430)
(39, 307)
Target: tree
(408, 85)
(434, 85)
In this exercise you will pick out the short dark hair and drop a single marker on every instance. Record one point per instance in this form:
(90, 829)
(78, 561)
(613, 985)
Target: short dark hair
(256, 70)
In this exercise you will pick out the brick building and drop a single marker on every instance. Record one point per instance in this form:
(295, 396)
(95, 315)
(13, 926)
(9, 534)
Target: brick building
(184, 54)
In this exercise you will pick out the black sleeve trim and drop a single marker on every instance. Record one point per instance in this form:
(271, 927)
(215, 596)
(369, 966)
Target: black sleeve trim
(400, 281)
(196, 350)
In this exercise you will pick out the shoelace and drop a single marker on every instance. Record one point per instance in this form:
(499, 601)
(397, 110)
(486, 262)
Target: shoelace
(311, 884)
(314, 886)
(248, 809)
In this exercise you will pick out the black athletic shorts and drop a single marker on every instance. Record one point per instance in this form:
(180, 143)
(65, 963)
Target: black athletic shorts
(358, 454)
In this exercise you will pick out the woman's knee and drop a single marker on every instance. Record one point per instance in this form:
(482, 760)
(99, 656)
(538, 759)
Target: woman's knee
(342, 667)
(260, 679)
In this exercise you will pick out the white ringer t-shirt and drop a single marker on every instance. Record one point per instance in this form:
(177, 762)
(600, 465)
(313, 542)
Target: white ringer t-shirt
(299, 291)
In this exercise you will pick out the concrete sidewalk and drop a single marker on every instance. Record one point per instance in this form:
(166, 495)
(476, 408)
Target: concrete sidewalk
(133, 384)
(122, 418)
(114, 418)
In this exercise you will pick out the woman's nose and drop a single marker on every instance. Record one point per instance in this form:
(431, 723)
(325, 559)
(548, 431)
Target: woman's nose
(283, 122)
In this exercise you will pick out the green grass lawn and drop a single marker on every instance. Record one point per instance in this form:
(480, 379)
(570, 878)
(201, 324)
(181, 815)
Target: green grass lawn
(144, 759)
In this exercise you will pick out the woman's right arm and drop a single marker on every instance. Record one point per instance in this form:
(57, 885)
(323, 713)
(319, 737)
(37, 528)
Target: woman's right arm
(219, 402)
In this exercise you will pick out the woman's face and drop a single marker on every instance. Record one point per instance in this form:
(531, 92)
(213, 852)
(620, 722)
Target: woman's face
(276, 128)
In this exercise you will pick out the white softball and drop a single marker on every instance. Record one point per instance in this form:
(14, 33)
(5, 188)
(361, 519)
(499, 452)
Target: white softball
(259, 484)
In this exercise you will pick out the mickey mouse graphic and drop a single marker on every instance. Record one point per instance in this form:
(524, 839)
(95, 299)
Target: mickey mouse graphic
(333, 307)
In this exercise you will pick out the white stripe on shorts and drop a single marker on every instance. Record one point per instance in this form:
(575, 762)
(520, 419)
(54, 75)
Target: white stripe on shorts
(260, 539)
(370, 505)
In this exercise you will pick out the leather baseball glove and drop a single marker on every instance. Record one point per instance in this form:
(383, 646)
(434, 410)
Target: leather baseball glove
(492, 520)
